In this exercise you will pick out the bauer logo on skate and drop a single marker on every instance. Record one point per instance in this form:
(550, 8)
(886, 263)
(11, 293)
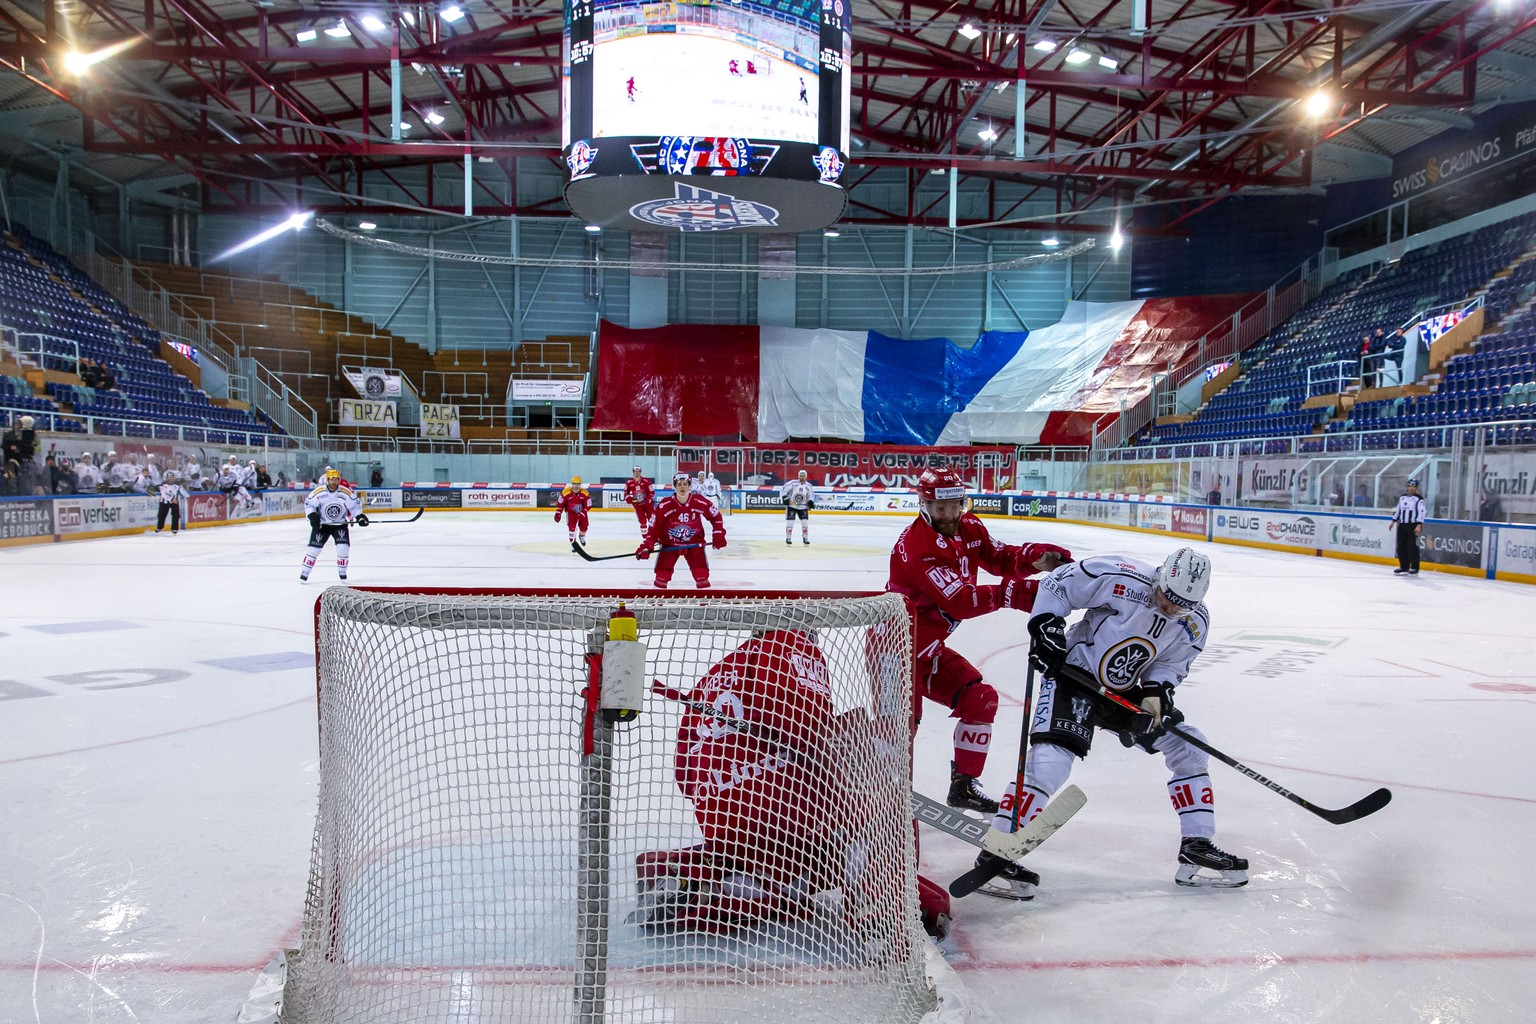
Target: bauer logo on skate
(1125, 661)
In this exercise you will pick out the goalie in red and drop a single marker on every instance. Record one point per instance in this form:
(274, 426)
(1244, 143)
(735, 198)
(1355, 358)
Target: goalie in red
(575, 501)
(935, 563)
(678, 528)
(762, 757)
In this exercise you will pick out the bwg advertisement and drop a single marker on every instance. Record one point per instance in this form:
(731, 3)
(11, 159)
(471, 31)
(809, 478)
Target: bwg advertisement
(20, 520)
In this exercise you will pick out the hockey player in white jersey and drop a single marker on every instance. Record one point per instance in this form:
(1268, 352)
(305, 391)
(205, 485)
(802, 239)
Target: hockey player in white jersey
(710, 488)
(1140, 631)
(331, 508)
(799, 497)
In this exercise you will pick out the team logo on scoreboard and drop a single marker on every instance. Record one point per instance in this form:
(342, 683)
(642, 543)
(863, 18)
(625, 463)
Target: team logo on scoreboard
(698, 209)
(829, 165)
(703, 154)
(580, 158)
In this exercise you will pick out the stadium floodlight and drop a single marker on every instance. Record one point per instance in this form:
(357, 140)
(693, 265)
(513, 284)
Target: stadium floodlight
(1050, 242)
(1320, 104)
(366, 225)
(434, 118)
(969, 31)
(452, 13)
(831, 233)
(77, 63)
(593, 229)
(1045, 45)
(1079, 56)
(1116, 239)
(293, 223)
(338, 30)
(1108, 63)
(987, 134)
(306, 35)
(374, 23)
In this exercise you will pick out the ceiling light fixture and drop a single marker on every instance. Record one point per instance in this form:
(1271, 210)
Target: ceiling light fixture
(831, 233)
(366, 225)
(593, 229)
(452, 14)
(338, 30)
(1045, 45)
(1079, 56)
(969, 31)
(306, 35)
(987, 134)
(1050, 242)
(434, 118)
(374, 23)
(1116, 240)
(1109, 63)
(1320, 104)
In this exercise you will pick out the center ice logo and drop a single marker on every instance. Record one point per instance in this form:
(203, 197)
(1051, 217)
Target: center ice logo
(698, 209)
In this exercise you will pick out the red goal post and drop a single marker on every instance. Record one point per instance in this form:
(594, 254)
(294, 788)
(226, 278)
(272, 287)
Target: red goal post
(488, 845)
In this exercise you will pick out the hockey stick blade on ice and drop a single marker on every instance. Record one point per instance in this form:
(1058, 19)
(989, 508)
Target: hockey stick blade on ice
(412, 519)
(584, 553)
(1368, 804)
(1010, 846)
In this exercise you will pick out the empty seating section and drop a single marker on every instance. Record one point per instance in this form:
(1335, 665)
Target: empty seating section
(1492, 382)
(59, 316)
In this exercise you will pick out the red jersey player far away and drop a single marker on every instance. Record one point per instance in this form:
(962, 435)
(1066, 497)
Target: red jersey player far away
(934, 563)
(642, 496)
(677, 528)
(575, 500)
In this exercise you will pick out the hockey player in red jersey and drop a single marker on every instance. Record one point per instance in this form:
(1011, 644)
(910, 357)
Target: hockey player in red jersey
(761, 756)
(934, 563)
(642, 496)
(575, 500)
(678, 528)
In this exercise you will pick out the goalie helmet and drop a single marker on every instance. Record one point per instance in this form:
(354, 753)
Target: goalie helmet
(1184, 577)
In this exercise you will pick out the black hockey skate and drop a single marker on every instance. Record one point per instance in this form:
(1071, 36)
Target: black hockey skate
(1203, 863)
(966, 793)
(1012, 882)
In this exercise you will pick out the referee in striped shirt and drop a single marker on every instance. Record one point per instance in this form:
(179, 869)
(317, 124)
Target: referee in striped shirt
(1410, 511)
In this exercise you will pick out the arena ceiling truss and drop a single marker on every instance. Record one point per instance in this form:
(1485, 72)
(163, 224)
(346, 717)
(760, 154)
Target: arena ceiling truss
(1066, 104)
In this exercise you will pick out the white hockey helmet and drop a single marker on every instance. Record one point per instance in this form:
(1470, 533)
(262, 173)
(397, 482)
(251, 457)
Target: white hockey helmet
(1184, 577)
(681, 478)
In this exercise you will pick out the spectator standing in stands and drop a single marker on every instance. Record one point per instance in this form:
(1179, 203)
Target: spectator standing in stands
(1411, 511)
(20, 442)
(89, 375)
(1367, 372)
(108, 382)
(87, 474)
(10, 481)
(1396, 343)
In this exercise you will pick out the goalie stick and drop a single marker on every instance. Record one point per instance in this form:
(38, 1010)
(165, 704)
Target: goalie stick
(1368, 804)
(1011, 846)
(576, 547)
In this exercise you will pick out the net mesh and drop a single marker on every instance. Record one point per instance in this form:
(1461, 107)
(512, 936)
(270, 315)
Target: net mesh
(488, 849)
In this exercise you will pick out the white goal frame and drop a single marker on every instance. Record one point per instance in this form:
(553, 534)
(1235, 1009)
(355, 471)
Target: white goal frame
(889, 977)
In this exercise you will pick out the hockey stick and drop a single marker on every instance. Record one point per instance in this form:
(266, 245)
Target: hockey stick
(925, 809)
(576, 547)
(413, 518)
(1368, 804)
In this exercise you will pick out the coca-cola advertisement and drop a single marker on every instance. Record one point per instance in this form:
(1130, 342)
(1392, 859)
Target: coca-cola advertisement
(987, 469)
(207, 508)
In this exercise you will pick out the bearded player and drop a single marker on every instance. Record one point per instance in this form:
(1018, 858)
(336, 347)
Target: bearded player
(935, 563)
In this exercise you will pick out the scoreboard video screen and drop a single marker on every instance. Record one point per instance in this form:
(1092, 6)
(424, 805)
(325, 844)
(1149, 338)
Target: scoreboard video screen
(706, 116)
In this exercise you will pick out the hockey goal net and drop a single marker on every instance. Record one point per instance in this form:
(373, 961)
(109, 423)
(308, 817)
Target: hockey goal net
(491, 844)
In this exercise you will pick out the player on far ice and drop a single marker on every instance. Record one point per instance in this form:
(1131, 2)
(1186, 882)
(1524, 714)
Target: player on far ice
(798, 497)
(629, 88)
(803, 97)
(1141, 629)
(575, 500)
(935, 563)
(710, 488)
(678, 528)
(751, 68)
(735, 69)
(639, 493)
(762, 756)
(331, 508)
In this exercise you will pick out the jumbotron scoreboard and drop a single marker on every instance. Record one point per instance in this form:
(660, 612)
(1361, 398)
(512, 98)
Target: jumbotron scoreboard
(706, 116)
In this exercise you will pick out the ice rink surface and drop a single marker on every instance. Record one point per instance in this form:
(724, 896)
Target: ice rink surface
(157, 770)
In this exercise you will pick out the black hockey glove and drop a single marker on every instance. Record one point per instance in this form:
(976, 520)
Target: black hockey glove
(362, 519)
(1157, 702)
(314, 520)
(1048, 643)
(810, 504)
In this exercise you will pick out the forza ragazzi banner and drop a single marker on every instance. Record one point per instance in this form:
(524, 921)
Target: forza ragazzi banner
(987, 469)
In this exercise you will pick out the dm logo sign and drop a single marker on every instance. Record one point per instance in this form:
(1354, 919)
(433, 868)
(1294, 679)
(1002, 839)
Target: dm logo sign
(699, 209)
